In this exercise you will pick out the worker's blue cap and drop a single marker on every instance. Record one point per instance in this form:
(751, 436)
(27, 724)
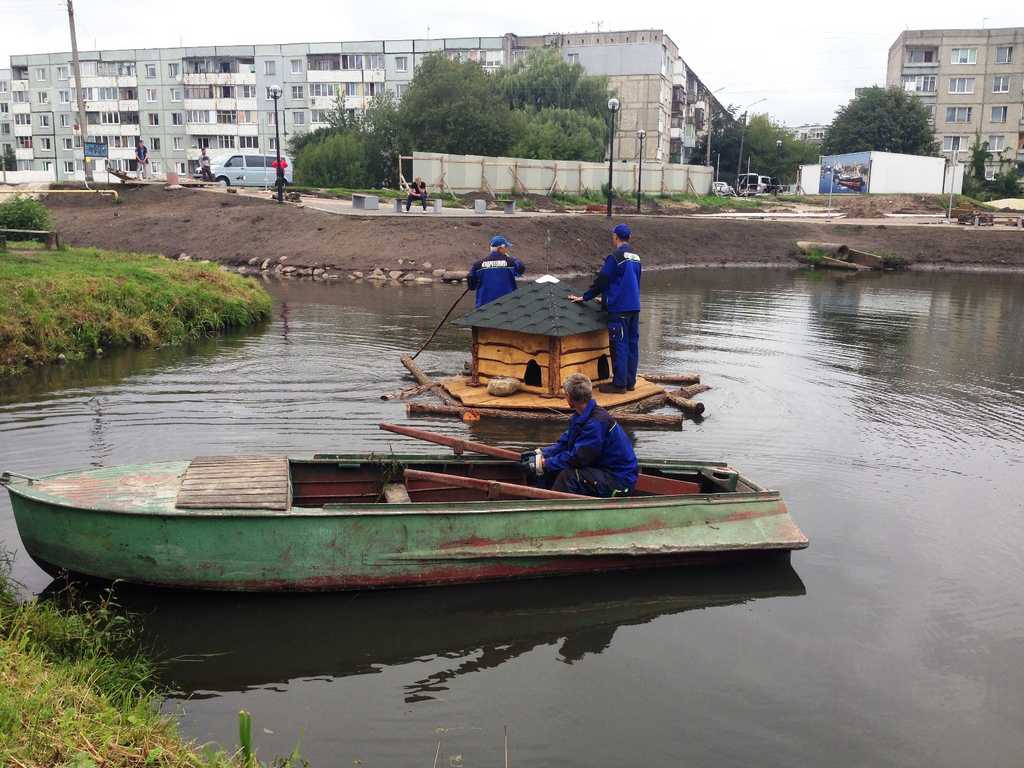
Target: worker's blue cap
(622, 231)
(497, 241)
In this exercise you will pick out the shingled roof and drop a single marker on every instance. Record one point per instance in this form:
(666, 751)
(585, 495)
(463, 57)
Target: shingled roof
(540, 308)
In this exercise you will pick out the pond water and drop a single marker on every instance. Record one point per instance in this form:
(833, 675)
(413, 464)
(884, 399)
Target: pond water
(888, 408)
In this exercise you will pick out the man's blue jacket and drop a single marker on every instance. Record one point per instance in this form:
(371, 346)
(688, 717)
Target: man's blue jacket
(594, 439)
(618, 281)
(494, 276)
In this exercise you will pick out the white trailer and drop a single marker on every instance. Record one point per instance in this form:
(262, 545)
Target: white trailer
(891, 173)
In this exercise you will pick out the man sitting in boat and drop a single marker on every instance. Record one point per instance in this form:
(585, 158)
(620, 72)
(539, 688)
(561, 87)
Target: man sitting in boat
(593, 457)
(496, 275)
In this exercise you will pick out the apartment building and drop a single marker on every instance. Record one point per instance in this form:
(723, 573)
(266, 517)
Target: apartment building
(810, 132)
(6, 118)
(972, 81)
(181, 100)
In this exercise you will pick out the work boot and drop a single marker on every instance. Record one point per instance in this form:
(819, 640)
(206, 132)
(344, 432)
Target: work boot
(611, 389)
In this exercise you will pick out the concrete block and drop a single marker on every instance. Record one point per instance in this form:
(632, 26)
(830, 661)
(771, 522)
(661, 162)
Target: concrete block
(480, 206)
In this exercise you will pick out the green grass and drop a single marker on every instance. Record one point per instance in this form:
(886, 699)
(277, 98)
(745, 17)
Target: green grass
(76, 691)
(76, 301)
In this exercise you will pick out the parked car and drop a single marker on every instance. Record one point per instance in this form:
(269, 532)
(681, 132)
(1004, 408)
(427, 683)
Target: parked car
(721, 189)
(748, 184)
(248, 169)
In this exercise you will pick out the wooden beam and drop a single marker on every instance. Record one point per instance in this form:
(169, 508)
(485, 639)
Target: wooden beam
(491, 486)
(422, 378)
(672, 378)
(654, 420)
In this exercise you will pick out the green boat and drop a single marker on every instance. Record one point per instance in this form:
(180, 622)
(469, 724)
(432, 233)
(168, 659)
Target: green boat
(358, 521)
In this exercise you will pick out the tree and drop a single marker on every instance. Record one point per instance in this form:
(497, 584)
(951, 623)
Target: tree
(560, 134)
(454, 107)
(882, 119)
(760, 145)
(10, 161)
(543, 79)
(335, 160)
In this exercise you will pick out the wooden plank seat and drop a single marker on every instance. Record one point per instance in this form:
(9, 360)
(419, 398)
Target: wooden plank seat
(235, 482)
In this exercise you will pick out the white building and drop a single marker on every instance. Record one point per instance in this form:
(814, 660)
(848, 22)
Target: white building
(180, 100)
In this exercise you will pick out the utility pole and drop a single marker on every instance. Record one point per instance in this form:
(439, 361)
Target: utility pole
(76, 65)
(739, 157)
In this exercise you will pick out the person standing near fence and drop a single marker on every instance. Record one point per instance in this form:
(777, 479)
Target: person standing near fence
(142, 158)
(618, 283)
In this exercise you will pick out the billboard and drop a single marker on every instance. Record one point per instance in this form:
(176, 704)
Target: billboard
(95, 149)
(845, 174)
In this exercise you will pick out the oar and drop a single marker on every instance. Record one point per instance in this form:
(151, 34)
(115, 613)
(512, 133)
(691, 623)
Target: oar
(661, 486)
(443, 321)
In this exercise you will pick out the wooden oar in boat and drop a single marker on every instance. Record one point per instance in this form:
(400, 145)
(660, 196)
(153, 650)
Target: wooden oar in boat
(494, 488)
(660, 486)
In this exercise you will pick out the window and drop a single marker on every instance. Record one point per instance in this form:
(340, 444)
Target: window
(574, 58)
(42, 97)
(155, 144)
(248, 142)
(271, 118)
(401, 63)
(181, 168)
(108, 94)
(24, 142)
(247, 92)
(996, 143)
(375, 61)
(247, 116)
(964, 56)
(919, 83)
(19, 97)
(1004, 54)
(68, 144)
(400, 89)
(44, 121)
(951, 143)
(299, 118)
(227, 117)
(931, 119)
(226, 142)
(322, 89)
(65, 120)
(69, 166)
(175, 94)
(234, 162)
(23, 119)
(372, 89)
(62, 72)
(999, 114)
(297, 91)
(351, 89)
(174, 70)
(3, 86)
(41, 73)
(352, 61)
(151, 95)
(961, 85)
(198, 91)
(178, 142)
(198, 116)
(1001, 84)
(47, 165)
(177, 118)
(958, 114)
(45, 142)
(151, 71)
(226, 91)
(153, 118)
(4, 107)
(319, 116)
(5, 129)
(269, 67)
(255, 161)
(154, 166)
(64, 97)
(273, 143)
(268, 96)
(296, 66)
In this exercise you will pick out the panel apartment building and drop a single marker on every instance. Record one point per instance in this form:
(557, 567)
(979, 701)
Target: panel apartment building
(972, 81)
(180, 100)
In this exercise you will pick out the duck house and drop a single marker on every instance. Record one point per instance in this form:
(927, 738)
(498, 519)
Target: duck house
(537, 336)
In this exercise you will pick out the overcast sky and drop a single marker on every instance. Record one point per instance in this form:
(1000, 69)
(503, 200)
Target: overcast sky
(804, 58)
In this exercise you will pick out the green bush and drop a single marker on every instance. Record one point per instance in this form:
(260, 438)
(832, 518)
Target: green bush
(22, 212)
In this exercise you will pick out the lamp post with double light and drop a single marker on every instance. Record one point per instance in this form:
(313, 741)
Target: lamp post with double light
(275, 94)
(613, 107)
(640, 174)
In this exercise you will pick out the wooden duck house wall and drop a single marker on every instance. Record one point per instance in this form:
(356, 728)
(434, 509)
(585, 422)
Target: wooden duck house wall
(540, 363)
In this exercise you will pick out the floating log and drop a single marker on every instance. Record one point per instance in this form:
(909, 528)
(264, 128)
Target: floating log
(652, 403)
(690, 407)
(666, 421)
(691, 391)
(494, 488)
(672, 378)
(426, 381)
(405, 394)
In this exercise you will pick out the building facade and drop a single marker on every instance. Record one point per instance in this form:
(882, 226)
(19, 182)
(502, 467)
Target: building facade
(181, 100)
(813, 133)
(972, 82)
(6, 118)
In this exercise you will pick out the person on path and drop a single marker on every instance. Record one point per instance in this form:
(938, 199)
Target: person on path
(204, 166)
(142, 158)
(593, 457)
(618, 283)
(495, 275)
(418, 191)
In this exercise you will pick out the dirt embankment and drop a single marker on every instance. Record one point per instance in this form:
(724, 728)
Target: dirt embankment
(232, 229)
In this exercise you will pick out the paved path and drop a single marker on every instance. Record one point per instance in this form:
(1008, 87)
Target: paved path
(344, 207)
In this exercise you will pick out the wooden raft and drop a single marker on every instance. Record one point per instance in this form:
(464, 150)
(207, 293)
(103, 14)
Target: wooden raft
(235, 482)
(478, 397)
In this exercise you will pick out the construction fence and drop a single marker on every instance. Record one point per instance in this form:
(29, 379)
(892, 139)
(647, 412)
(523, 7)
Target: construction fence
(516, 175)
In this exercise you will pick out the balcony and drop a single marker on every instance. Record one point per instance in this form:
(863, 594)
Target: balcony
(220, 78)
(22, 154)
(19, 85)
(335, 76)
(22, 130)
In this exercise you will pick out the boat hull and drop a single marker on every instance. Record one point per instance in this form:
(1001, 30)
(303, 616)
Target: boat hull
(379, 545)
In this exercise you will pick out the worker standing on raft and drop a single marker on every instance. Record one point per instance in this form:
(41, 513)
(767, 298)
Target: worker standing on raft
(496, 275)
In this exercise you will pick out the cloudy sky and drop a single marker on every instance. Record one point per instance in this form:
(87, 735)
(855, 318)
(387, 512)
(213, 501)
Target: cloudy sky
(804, 58)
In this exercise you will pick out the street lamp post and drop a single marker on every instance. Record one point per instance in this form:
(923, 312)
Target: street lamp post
(640, 175)
(778, 152)
(275, 94)
(743, 136)
(613, 107)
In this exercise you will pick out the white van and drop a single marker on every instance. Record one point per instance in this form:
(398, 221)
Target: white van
(752, 184)
(248, 169)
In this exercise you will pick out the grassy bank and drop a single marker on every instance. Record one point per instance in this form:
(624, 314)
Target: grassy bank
(80, 302)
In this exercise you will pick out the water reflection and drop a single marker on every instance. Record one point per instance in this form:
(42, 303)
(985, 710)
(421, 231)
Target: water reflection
(229, 642)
